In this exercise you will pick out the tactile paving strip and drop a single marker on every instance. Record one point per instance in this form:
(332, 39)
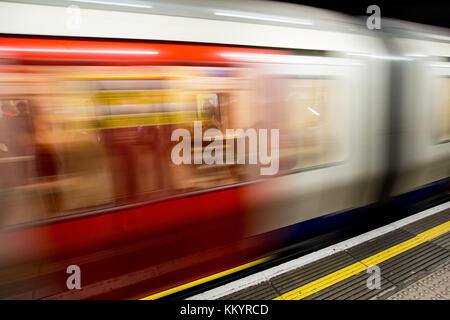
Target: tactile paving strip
(313, 271)
(262, 291)
(439, 281)
(413, 264)
(443, 241)
(416, 291)
(435, 286)
(428, 222)
(378, 244)
(353, 288)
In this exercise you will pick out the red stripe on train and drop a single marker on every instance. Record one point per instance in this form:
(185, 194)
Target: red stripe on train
(131, 52)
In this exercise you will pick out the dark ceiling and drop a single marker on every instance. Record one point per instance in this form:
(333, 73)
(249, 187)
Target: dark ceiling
(430, 12)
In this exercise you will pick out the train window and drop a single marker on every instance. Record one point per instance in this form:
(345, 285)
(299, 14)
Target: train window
(221, 103)
(443, 109)
(50, 166)
(19, 199)
(314, 123)
(134, 112)
(101, 136)
(70, 157)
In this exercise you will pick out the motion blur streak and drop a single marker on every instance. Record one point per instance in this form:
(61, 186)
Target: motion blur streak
(112, 3)
(86, 176)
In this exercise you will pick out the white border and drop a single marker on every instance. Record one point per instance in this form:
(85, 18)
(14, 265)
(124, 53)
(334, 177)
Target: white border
(265, 275)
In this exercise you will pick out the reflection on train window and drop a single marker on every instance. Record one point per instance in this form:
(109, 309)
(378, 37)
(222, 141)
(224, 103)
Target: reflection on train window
(92, 137)
(97, 137)
(18, 198)
(443, 109)
(208, 104)
(315, 121)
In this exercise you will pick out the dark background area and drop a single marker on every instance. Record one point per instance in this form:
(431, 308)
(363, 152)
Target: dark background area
(430, 12)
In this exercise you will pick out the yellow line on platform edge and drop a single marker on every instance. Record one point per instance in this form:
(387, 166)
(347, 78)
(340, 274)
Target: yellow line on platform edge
(205, 279)
(353, 269)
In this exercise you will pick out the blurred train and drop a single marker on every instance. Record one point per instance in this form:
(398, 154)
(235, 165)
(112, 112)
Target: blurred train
(88, 108)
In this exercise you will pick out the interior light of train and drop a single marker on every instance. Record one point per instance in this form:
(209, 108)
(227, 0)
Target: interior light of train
(276, 58)
(314, 111)
(434, 36)
(440, 65)
(375, 56)
(262, 17)
(257, 57)
(80, 51)
(135, 5)
(416, 55)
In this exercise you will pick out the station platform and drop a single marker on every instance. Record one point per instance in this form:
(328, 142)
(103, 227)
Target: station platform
(408, 259)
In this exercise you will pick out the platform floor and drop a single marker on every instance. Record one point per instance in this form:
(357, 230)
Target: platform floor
(413, 262)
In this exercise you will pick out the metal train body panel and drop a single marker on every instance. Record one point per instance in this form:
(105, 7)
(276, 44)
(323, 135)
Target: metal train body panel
(424, 154)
